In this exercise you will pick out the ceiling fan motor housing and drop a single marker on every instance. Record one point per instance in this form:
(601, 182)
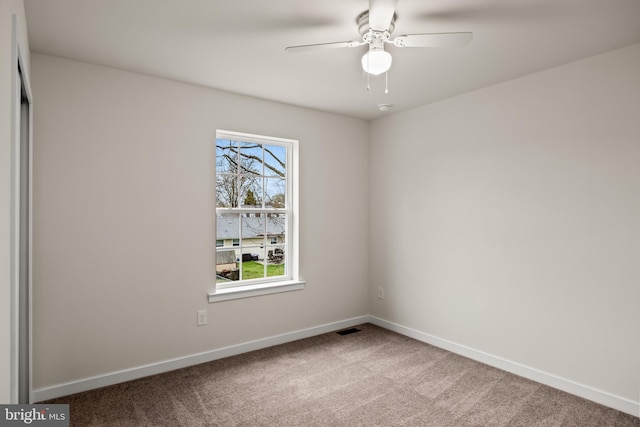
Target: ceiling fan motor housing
(367, 32)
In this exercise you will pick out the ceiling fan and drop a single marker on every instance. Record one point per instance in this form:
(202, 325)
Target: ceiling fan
(376, 26)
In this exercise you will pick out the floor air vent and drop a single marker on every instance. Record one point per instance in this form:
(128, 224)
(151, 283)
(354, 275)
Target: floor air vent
(348, 331)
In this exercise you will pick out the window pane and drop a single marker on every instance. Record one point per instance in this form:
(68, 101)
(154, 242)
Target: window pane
(227, 184)
(250, 158)
(226, 156)
(274, 193)
(252, 266)
(253, 230)
(275, 261)
(275, 158)
(227, 226)
(227, 269)
(276, 270)
(276, 226)
(251, 191)
(226, 191)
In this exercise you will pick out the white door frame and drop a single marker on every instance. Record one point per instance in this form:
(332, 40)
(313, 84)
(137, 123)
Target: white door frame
(21, 363)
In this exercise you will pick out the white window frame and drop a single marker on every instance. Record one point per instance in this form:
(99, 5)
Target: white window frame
(268, 285)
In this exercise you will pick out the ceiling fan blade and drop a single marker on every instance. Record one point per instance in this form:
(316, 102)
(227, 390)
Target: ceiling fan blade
(433, 40)
(380, 13)
(333, 45)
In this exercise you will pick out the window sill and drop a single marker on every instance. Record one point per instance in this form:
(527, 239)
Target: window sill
(226, 294)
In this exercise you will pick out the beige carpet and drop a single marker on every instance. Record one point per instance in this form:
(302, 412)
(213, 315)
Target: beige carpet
(370, 378)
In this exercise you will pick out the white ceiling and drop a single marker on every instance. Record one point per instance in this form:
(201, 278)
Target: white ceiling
(239, 45)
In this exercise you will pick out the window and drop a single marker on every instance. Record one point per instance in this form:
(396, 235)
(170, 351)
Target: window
(219, 243)
(256, 209)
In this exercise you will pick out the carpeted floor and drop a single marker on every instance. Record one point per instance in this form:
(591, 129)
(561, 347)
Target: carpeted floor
(370, 378)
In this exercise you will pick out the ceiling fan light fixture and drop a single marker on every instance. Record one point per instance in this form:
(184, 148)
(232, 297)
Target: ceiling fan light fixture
(376, 61)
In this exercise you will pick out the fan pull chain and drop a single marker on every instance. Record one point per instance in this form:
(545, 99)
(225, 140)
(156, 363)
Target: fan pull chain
(386, 82)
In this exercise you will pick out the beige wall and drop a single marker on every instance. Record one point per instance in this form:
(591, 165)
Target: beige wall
(7, 9)
(124, 223)
(525, 200)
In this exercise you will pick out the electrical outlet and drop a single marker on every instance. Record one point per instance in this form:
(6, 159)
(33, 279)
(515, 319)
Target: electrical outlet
(202, 317)
(380, 292)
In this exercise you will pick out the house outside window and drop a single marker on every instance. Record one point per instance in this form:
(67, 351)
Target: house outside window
(256, 209)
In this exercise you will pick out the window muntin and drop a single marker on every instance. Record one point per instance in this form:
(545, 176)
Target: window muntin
(253, 209)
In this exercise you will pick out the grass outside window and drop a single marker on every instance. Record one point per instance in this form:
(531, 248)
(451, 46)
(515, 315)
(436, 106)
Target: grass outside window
(255, 270)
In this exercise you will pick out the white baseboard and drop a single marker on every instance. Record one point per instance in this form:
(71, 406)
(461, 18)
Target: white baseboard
(86, 384)
(581, 390)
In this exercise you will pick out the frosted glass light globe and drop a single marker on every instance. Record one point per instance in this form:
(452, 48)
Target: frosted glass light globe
(376, 61)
